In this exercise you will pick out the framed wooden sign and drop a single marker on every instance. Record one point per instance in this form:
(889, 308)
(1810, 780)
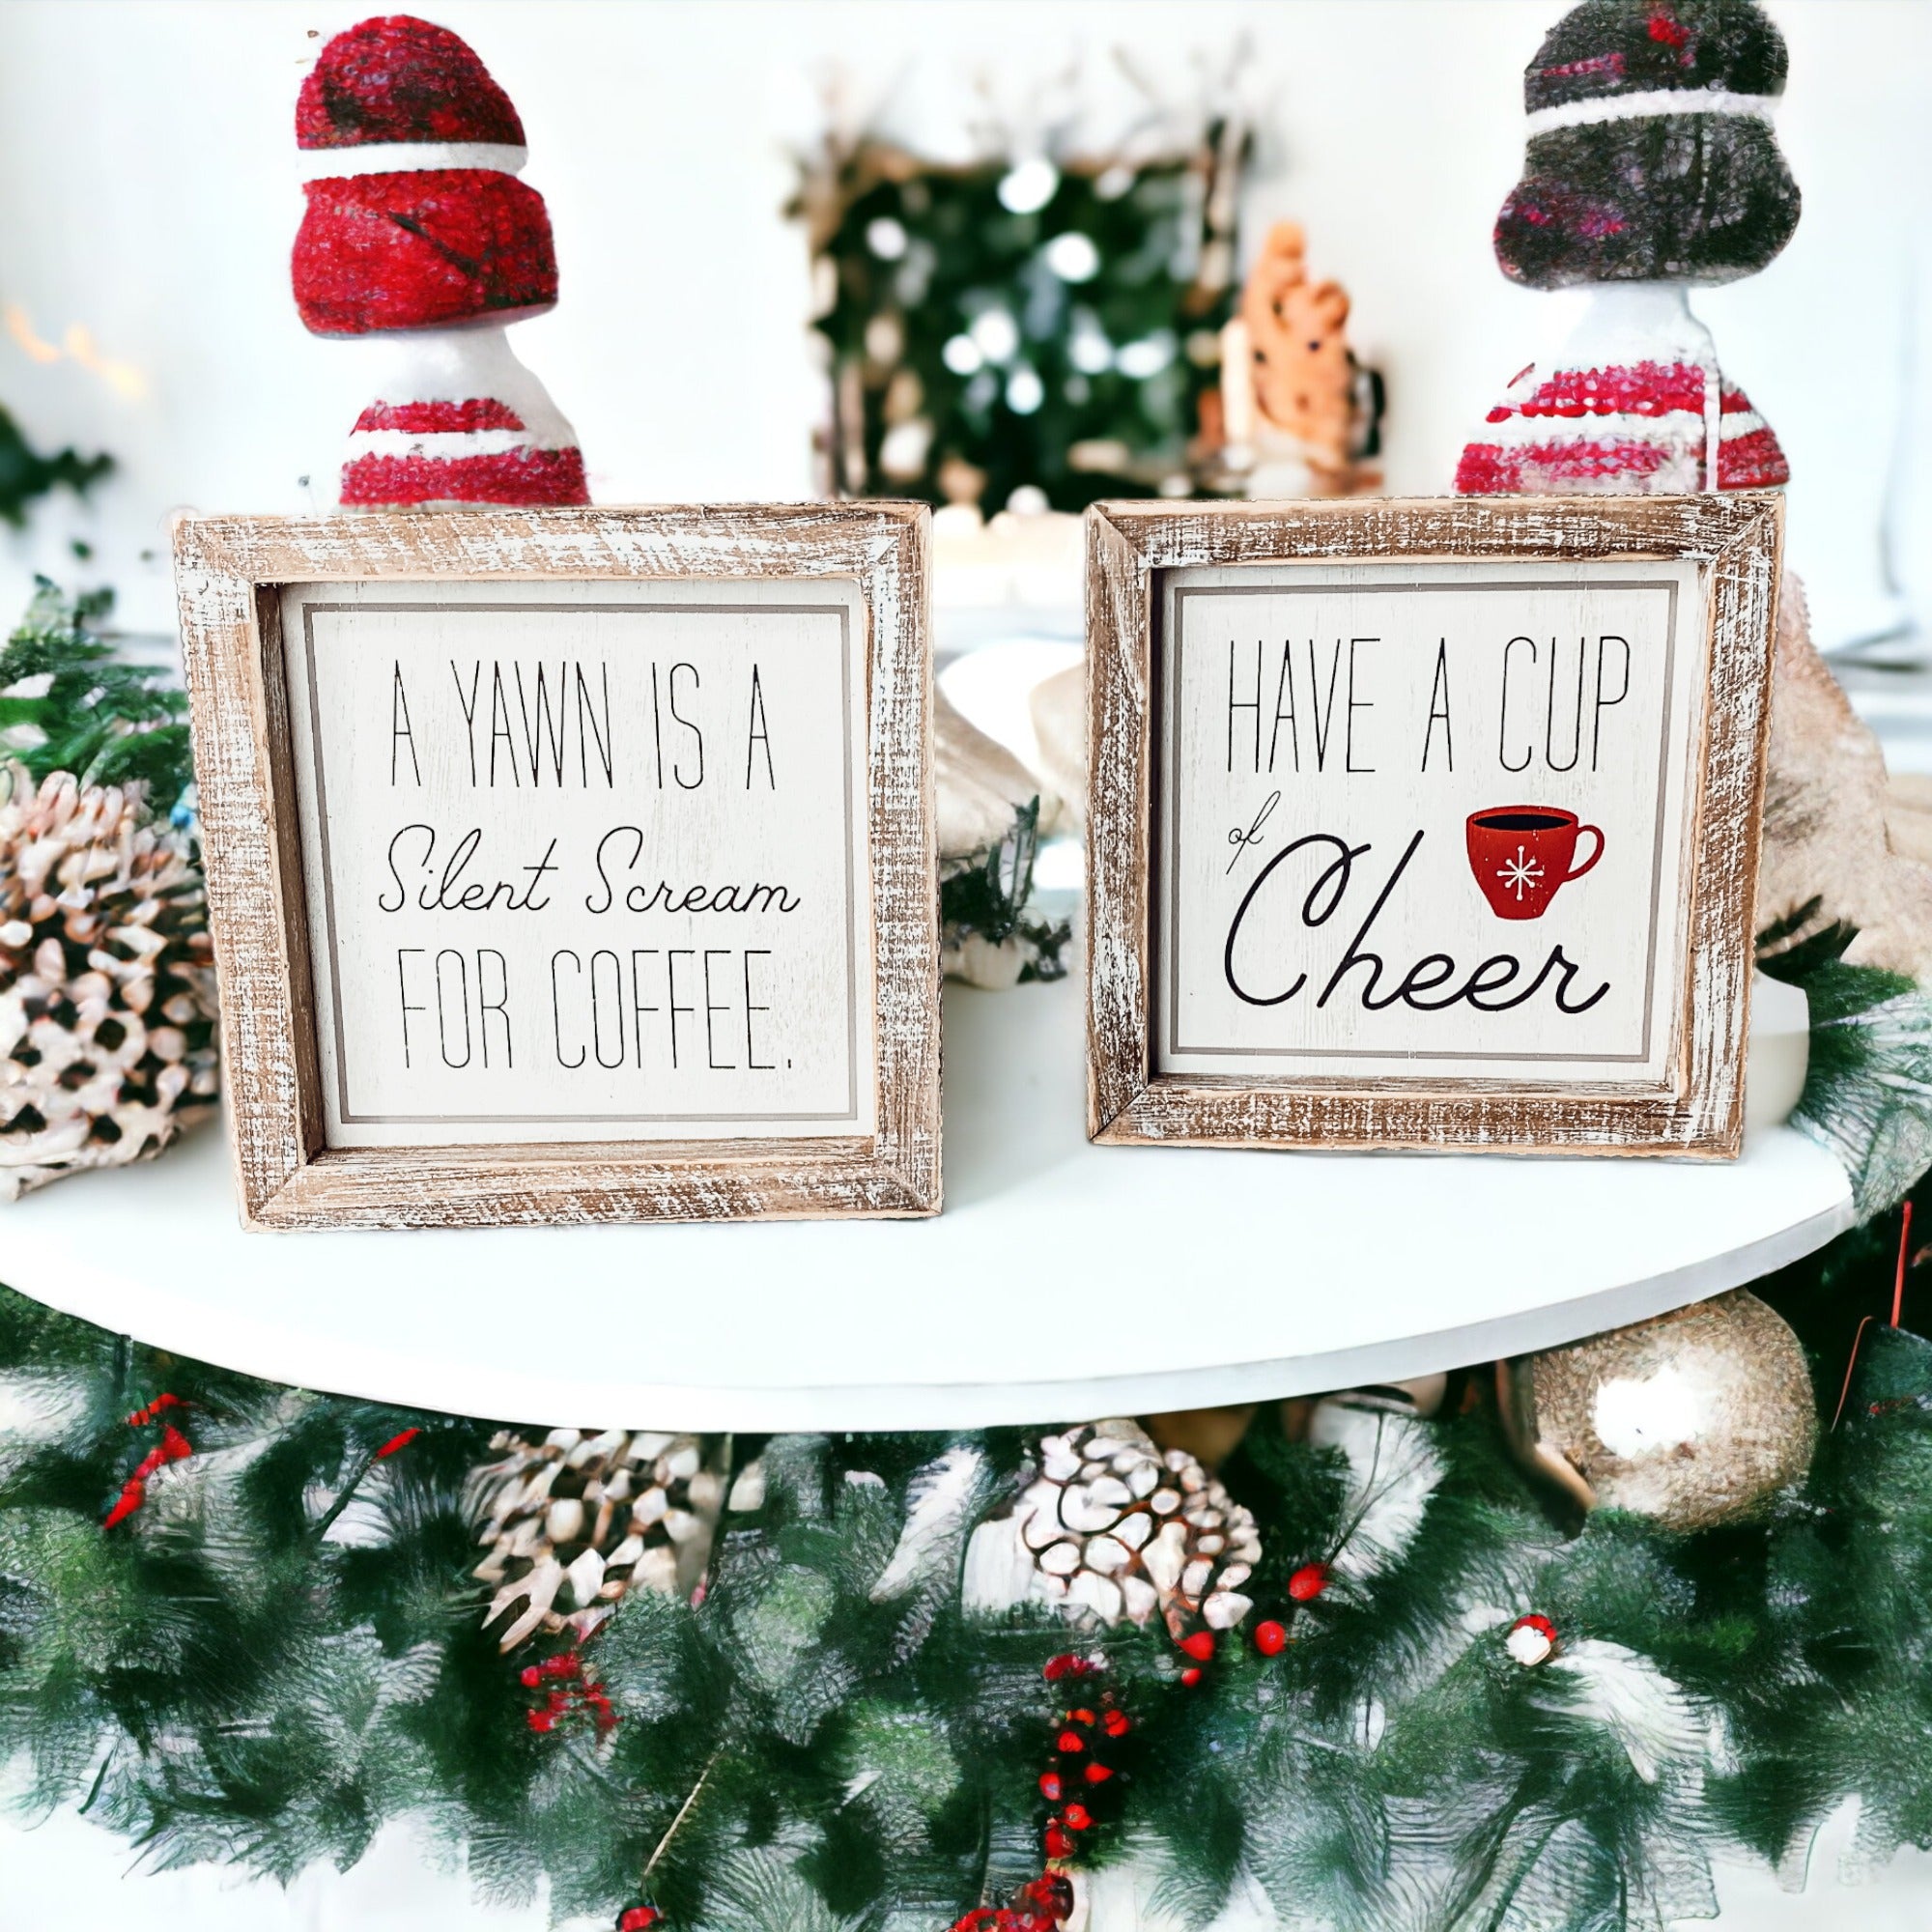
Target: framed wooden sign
(570, 865)
(1427, 824)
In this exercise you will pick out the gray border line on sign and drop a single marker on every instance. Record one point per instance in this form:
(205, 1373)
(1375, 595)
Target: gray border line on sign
(841, 610)
(1171, 640)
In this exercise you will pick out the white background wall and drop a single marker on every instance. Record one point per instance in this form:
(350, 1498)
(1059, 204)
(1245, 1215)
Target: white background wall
(148, 198)
(148, 194)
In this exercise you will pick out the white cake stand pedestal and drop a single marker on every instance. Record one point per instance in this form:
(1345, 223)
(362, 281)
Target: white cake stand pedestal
(1064, 1281)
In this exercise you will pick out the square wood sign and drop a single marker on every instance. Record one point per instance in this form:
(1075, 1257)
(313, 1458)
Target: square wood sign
(570, 865)
(1427, 824)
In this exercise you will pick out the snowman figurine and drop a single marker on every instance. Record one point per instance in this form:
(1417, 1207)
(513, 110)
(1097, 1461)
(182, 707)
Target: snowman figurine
(420, 238)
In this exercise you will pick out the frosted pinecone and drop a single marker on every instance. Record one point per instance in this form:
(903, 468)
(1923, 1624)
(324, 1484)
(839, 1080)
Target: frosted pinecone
(576, 1522)
(107, 980)
(1114, 1528)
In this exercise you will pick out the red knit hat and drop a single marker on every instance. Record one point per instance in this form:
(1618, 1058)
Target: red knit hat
(418, 221)
(398, 78)
(422, 250)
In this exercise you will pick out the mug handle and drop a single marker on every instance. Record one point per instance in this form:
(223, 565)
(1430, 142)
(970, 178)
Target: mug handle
(1578, 872)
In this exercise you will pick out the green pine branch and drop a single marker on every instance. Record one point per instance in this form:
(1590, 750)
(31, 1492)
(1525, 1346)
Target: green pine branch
(989, 895)
(25, 475)
(68, 704)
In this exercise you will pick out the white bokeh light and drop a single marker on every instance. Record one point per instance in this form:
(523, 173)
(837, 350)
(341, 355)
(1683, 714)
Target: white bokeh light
(996, 335)
(1029, 187)
(1147, 356)
(886, 237)
(1073, 257)
(1089, 352)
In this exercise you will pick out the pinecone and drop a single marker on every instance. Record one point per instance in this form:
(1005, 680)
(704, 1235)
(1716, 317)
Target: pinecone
(106, 981)
(1117, 1528)
(575, 1522)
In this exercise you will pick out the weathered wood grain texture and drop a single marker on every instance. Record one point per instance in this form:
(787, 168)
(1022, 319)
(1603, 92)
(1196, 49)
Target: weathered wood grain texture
(1740, 539)
(1119, 743)
(228, 570)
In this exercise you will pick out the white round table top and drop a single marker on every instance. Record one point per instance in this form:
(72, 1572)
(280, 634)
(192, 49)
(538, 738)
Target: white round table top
(1063, 1281)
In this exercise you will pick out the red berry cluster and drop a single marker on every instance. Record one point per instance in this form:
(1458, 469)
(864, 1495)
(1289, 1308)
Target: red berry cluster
(1199, 1646)
(173, 1447)
(1043, 1905)
(640, 1919)
(567, 1692)
(1079, 1772)
(1270, 1634)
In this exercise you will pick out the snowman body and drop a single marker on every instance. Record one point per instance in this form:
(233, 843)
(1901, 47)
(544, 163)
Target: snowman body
(1633, 403)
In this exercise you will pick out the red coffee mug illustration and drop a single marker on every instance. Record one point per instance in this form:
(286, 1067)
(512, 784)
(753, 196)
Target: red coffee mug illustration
(1522, 853)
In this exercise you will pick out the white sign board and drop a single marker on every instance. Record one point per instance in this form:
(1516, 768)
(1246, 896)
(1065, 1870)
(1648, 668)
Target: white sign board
(584, 860)
(1426, 821)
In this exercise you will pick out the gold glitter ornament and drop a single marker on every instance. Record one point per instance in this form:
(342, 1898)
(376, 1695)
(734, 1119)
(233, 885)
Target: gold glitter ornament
(1696, 1418)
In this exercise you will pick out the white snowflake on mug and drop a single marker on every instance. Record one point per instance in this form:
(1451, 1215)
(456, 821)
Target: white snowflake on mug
(1520, 874)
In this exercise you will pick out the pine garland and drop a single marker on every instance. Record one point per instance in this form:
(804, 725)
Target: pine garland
(68, 704)
(279, 1649)
(1868, 1082)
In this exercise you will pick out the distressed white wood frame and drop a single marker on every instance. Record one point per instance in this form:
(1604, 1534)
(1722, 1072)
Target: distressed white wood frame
(229, 574)
(1736, 538)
